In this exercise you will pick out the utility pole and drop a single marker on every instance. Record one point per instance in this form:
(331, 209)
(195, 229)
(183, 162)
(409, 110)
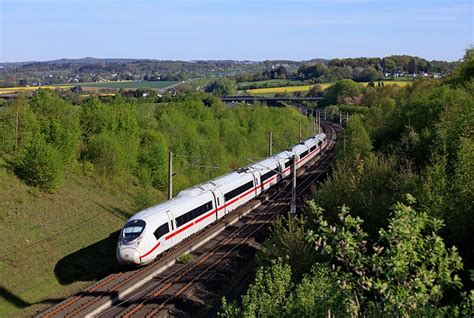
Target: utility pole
(293, 188)
(299, 135)
(340, 118)
(270, 142)
(325, 117)
(170, 175)
(319, 122)
(314, 125)
(347, 118)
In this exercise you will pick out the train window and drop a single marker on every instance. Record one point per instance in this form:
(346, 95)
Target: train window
(232, 194)
(313, 148)
(304, 154)
(319, 143)
(267, 175)
(161, 230)
(194, 213)
(288, 163)
(133, 229)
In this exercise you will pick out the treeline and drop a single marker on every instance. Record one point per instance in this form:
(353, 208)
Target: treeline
(390, 232)
(360, 69)
(93, 69)
(122, 139)
(371, 69)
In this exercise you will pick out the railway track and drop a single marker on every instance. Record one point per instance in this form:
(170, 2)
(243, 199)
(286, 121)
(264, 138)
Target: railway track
(153, 290)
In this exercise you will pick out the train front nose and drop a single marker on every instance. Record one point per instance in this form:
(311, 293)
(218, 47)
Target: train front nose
(128, 255)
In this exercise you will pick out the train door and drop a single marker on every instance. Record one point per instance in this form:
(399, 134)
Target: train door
(172, 227)
(257, 182)
(219, 203)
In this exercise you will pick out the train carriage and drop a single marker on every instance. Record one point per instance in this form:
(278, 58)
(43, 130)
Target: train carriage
(302, 152)
(154, 230)
(268, 171)
(285, 160)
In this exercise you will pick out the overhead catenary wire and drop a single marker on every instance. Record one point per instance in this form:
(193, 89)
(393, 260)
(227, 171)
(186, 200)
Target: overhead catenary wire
(266, 168)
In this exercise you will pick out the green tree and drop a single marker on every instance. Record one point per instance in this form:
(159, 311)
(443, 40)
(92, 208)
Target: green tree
(222, 87)
(318, 295)
(343, 91)
(59, 123)
(152, 160)
(407, 271)
(112, 154)
(266, 296)
(315, 91)
(389, 64)
(465, 70)
(370, 74)
(355, 143)
(18, 125)
(40, 164)
(288, 242)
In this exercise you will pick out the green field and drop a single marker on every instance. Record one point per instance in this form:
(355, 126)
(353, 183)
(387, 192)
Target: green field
(268, 83)
(271, 91)
(127, 84)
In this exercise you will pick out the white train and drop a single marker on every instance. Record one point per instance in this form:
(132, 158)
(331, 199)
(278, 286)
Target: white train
(150, 232)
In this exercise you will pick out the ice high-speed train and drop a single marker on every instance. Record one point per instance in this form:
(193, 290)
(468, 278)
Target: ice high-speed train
(154, 230)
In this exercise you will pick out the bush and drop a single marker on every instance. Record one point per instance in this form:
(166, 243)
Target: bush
(40, 165)
(58, 122)
(111, 154)
(185, 259)
(18, 125)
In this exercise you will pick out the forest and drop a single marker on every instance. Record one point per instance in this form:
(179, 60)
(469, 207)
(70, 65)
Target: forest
(390, 232)
(361, 69)
(123, 138)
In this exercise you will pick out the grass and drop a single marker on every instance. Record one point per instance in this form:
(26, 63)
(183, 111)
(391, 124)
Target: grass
(305, 88)
(185, 259)
(111, 85)
(56, 244)
(264, 84)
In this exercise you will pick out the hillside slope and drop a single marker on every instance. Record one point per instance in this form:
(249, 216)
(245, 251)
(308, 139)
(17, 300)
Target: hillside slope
(111, 162)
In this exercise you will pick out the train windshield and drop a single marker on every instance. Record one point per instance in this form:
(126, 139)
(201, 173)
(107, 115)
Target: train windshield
(133, 229)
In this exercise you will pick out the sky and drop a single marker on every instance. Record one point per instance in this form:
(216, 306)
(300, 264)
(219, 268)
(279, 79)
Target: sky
(38, 30)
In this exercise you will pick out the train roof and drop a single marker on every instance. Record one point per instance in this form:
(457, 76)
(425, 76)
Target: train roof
(264, 164)
(287, 154)
(161, 207)
(299, 148)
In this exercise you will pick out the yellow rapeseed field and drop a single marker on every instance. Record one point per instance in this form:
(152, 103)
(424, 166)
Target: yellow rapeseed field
(304, 88)
(9, 90)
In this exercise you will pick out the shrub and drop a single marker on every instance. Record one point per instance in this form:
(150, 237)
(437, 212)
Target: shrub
(40, 165)
(111, 154)
(185, 259)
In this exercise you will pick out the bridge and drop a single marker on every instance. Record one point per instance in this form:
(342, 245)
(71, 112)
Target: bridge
(296, 102)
